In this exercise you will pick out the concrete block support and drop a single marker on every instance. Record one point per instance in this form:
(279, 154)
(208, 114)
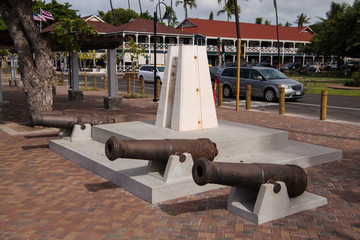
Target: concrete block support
(266, 204)
(74, 95)
(113, 103)
(186, 101)
(4, 109)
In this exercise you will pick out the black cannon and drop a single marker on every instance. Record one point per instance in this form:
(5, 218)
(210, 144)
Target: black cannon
(160, 150)
(250, 175)
(67, 121)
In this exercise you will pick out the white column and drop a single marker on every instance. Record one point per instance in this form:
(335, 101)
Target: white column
(111, 72)
(260, 51)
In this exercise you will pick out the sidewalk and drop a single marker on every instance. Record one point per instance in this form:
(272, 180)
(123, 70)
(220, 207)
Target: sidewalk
(45, 196)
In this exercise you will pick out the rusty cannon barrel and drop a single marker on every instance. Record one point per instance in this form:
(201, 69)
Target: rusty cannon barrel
(160, 150)
(250, 175)
(68, 121)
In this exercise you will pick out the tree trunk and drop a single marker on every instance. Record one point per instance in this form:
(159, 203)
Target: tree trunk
(113, 14)
(35, 64)
(141, 12)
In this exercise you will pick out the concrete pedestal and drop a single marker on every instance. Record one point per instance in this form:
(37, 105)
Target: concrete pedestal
(113, 103)
(75, 95)
(4, 109)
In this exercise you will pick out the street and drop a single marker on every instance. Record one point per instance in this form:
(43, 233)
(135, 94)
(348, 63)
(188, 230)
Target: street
(339, 108)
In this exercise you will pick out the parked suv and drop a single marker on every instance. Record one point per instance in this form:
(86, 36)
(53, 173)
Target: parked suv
(146, 72)
(265, 83)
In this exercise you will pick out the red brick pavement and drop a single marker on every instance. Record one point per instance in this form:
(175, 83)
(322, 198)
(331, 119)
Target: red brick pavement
(44, 196)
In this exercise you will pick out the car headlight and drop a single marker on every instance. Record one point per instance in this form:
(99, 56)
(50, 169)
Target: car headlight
(284, 86)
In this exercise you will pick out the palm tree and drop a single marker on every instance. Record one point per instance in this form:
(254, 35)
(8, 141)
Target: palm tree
(140, 7)
(211, 17)
(229, 9)
(258, 20)
(336, 8)
(287, 24)
(277, 32)
(267, 22)
(113, 14)
(302, 19)
(191, 3)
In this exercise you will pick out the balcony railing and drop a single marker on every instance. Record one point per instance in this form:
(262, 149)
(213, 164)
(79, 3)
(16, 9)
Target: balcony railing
(214, 48)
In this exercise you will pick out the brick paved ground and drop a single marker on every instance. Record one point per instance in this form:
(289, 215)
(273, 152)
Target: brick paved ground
(44, 196)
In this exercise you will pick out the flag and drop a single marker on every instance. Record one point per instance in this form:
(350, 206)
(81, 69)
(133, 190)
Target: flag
(38, 17)
(47, 15)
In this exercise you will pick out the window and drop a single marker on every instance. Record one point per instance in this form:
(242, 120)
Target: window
(229, 72)
(244, 73)
(254, 74)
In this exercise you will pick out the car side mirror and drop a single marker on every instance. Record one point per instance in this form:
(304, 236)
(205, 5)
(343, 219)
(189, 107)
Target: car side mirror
(258, 78)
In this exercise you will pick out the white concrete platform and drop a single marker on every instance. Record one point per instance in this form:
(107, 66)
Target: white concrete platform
(236, 142)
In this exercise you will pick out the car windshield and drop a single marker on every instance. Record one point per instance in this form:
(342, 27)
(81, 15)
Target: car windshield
(161, 69)
(215, 70)
(271, 74)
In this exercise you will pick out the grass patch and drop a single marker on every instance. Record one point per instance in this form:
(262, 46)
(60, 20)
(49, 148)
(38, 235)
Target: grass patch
(133, 95)
(321, 80)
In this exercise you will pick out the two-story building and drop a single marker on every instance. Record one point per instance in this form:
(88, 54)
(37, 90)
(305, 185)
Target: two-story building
(259, 42)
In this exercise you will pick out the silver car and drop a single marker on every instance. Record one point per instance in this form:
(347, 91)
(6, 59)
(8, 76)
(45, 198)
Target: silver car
(146, 72)
(265, 83)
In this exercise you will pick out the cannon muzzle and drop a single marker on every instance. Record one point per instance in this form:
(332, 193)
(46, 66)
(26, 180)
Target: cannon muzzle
(160, 150)
(68, 120)
(250, 175)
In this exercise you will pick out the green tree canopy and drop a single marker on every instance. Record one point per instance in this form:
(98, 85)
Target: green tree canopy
(58, 10)
(339, 34)
(67, 29)
(122, 16)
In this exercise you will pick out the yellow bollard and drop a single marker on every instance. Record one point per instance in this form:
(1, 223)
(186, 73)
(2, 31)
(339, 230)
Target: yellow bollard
(62, 78)
(85, 81)
(282, 101)
(158, 89)
(105, 82)
(324, 94)
(117, 84)
(220, 95)
(128, 84)
(56, 79)
(248, 97)
(94, 79)
(142, 87)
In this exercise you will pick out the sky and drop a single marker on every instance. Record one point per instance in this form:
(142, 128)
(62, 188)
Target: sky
(288, 10)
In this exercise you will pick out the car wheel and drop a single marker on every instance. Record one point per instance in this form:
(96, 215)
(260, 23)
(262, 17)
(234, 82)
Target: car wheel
(158, 79)
(270, 95)
(227, 91)
(141, 78)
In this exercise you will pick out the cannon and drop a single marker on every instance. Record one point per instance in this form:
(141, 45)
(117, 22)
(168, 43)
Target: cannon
(160, 150)
(250, 175)
(67, 121)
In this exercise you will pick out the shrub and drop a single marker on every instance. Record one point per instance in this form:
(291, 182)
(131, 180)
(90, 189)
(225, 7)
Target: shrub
(349, 83)
(356, 77)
